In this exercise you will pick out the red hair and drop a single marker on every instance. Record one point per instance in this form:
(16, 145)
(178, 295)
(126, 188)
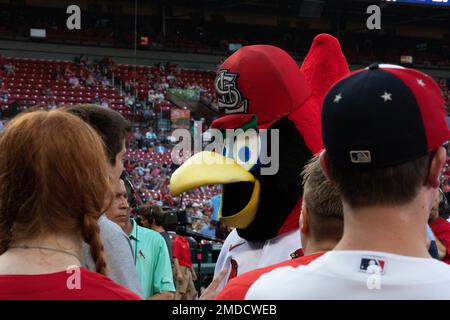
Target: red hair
(53, 180)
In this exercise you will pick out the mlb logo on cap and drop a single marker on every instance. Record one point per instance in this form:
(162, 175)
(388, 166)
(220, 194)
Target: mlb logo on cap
(383, 116)
(360, 156)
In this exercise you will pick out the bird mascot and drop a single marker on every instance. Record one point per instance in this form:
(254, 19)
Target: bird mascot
(272, 128)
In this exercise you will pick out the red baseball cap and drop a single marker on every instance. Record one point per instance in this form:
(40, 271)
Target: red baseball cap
(262, 80)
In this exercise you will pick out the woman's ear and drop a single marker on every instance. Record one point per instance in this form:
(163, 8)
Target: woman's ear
(437, 163)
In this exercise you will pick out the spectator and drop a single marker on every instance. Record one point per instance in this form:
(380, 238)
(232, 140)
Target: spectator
(41, 232)
(4, 94)
(160, 148)
(127, 86)
(441, 230)
(95, 100)
(47, 91)
(98, 76)
(105, 103)
(9, 68)
(321, 226)
(113, 129)
(152, 260)
(83, 60)
(197, 224)
(150, 135)
(129, 100)
(386, 208)
(105, 83)
(183, 270)
(153, 218)
(215, 203)
(209, 229)
(137, 135)
(56, 74)
(90, 81)
(118, 211)
(73, 81)
(51, 104)
(67, 73)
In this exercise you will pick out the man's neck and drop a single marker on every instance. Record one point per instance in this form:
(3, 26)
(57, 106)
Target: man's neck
(158, 228)
(128, 227)
(399, 230)
(319, 246)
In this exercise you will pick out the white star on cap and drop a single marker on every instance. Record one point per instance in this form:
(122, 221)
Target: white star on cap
(338, 98)
(420, 82)
(387, 96)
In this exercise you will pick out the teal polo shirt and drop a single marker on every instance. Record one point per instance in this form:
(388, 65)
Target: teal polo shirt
(153, 265)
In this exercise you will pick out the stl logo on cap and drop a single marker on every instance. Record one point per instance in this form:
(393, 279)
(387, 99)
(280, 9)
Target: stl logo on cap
(230, 98)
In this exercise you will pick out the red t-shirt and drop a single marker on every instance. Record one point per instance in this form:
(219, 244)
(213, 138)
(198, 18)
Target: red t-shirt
(182, 251)
(441, 229)
(238, 287)
(55, 286)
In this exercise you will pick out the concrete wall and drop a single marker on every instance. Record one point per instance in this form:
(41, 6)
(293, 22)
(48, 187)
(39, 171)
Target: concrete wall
(38, 50)
(35, 50)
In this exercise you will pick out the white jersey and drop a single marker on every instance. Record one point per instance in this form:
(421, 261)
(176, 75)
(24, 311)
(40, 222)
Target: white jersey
(364, 275)
(239, 255)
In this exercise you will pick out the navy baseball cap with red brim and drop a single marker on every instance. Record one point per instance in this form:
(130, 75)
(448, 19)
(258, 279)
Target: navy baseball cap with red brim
(383, 116)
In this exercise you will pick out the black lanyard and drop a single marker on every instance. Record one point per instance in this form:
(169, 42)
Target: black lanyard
(136, 239)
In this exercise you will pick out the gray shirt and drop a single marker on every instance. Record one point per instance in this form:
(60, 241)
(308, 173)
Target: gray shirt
(118, 255)
(166, 237)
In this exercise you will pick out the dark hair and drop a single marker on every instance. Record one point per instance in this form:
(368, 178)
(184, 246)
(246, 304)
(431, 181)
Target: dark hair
(391, 186)
(154, 214)
(109, 124)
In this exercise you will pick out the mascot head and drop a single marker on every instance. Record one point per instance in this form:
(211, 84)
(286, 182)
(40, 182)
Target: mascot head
(266, 100)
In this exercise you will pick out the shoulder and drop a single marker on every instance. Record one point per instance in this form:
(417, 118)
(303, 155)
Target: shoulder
(109, 228)
(101, 287)
(237, 288)
(112, 236)
(150, 235)
(232, 240)
(440, 225)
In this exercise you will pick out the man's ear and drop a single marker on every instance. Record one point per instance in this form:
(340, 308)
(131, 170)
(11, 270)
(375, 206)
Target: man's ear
(325, 165)
(304, 220)
(437, 163)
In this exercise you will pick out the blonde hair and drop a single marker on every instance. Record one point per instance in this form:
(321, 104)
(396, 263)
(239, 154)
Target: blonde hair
(322, 201)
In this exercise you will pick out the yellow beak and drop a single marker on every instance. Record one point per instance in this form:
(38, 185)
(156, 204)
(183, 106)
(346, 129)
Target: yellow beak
(210, 168)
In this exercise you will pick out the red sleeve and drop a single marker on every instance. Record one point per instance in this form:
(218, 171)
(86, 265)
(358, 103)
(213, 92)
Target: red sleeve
(176, 248)
(441, 229)
(238, 287)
